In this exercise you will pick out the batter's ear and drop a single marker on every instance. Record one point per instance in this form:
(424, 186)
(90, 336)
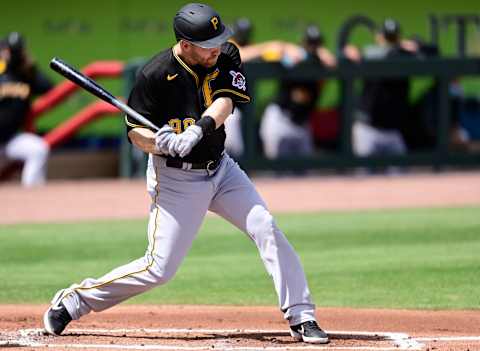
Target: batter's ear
(185, 45)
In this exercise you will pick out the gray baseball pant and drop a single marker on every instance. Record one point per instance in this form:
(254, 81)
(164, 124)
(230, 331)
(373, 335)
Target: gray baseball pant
(176, 193)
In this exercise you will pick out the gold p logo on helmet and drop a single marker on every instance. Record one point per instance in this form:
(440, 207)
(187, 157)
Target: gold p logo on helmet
(214, 21)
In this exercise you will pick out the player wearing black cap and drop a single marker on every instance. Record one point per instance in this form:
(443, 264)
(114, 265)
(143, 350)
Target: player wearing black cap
(191, 89)
(285, 129)
(242, 31)
(288, 54)
(20, 81)
(384, 102)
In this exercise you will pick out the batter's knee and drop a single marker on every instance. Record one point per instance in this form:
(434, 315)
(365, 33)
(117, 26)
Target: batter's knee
(161, 272)
(260, 223)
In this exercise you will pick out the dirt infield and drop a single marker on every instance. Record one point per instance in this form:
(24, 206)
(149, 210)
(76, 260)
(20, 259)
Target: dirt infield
(240, 328)
(111, 199)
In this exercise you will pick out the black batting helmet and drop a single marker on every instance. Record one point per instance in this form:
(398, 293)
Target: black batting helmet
(201, 25)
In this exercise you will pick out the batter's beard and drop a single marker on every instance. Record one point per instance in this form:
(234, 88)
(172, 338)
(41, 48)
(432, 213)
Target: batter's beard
(208, 65)
(199, 60)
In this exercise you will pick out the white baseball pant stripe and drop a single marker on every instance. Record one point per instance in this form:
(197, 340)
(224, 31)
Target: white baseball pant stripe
(179, 193)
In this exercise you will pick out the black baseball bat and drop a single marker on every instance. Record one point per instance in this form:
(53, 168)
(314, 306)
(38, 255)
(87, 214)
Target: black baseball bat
(94, 88)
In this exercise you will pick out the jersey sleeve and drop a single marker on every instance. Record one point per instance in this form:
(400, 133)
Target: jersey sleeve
(231, 81)
(141, 100)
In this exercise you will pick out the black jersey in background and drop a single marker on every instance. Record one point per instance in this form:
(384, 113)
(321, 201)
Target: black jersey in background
(299, 97)
(17, 88)
(386, 100)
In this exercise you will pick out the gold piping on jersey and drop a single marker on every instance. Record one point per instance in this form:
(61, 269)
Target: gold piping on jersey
(207, 91)
(133, 125)
(189, 70)
(246, 97)
(149, 255)
(234, 42)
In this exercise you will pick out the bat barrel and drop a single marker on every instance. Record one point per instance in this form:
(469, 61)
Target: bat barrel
(91, 86)
(80, 79)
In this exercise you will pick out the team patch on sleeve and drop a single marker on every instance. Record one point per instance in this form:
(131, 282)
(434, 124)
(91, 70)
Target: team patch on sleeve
(238, 80)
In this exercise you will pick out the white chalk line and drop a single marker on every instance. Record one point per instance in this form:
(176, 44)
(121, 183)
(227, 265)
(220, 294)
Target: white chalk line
(449, 338)
(209, 331)
(193, 348)
(401, 341)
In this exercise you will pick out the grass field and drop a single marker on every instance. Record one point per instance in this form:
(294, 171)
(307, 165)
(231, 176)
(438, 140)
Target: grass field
(416, 258)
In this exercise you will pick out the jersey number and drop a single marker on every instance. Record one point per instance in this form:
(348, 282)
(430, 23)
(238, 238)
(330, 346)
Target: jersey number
(176, 124)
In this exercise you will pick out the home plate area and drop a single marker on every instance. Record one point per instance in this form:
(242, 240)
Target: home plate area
(203, 339)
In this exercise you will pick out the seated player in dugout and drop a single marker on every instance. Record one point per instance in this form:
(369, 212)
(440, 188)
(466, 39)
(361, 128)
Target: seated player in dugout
(269, 51)
(383, 105)
(387, 36)
(20, 81)
(189, 90)
(289, 54)
(285, 126)
(385, 120)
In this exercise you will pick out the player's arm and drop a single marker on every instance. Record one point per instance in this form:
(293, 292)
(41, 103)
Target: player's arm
(269, 51)
(142, 101)
(144, 139)
(146, 103)
(326, 57)
(213, 117)
(228, 88)
(219, 110)
(161, 142)
(352, 53)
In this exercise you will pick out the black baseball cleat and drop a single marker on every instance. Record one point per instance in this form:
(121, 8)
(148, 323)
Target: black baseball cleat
(55, 319)
(309, 332)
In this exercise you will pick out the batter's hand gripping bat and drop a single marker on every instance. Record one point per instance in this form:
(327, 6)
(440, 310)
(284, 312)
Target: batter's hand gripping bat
(92, 87)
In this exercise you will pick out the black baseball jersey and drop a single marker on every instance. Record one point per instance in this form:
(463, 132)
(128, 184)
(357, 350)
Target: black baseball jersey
(299, 97)
(168, 91)
(386, 100)
(16, 91)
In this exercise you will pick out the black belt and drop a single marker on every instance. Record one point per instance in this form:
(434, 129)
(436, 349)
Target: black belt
(208, 165)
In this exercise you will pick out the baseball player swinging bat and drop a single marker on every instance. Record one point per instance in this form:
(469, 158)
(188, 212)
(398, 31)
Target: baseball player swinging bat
(94, 88)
